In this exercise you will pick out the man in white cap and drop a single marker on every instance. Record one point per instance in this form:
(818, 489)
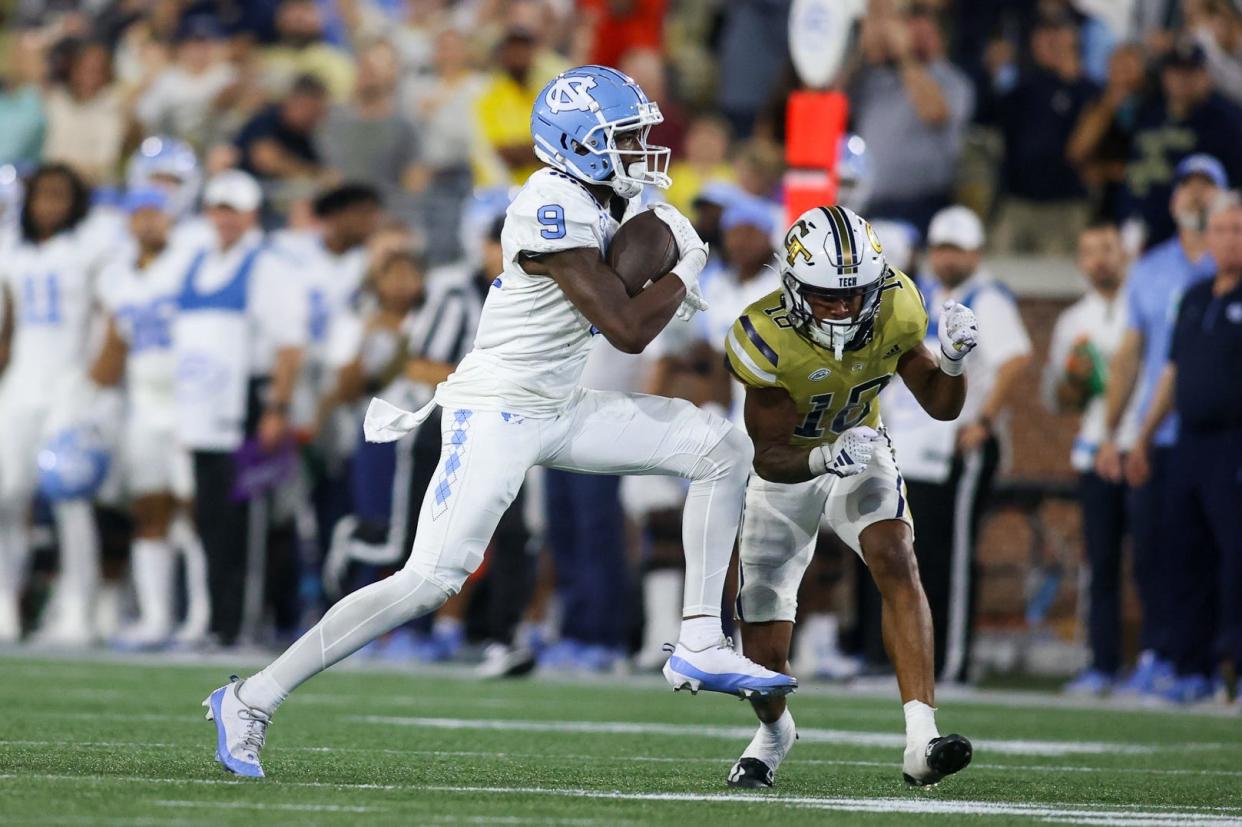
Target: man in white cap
(949, 466)
(238, 336)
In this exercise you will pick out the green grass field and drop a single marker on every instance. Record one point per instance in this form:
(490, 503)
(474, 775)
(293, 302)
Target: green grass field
(108, 742)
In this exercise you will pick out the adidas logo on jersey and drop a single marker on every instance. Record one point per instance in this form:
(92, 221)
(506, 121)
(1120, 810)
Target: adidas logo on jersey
(892, 351)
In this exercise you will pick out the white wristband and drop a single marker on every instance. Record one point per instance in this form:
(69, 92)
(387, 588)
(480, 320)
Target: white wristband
(951, 367)
(691, 264)
(817, 460)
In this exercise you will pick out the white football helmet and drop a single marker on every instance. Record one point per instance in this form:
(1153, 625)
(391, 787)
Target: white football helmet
(834, 253)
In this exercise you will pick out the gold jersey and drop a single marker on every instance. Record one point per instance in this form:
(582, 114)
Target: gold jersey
(764, 351)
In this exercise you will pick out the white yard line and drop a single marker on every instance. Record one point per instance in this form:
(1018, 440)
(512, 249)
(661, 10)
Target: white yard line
(722, 760)
(915, 805)
(807, 734)
(260, 805)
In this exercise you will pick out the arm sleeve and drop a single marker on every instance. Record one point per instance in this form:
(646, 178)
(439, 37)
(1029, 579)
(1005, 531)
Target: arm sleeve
(749, 357)
(280, 301)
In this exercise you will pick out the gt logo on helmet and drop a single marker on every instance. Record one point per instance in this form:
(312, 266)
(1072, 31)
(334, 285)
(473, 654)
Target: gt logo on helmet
(570, 95)
(793, 243)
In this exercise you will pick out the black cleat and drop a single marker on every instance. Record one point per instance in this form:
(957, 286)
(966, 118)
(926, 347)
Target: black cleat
(751, 774)
(945, 756)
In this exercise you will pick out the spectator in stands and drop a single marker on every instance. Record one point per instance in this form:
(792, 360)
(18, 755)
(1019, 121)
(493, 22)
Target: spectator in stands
(441, 103)
(278, 143)
(754, 48)
(86, 118)
(502, 112)
(1191, 118)
(1045, 203)
(238, 338)
(301, 50)
(1155, 284)
(949, 467)
(1204, 485)
(1216, 26)
(21, 104)
(1100, 144)
(705, 159)
(648, 68)
(1084, 339)
(614, 29)
(911, 106)
(182, 99)
(367, 140)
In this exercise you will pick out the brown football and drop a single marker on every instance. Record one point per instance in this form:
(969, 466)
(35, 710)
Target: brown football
(642, 250)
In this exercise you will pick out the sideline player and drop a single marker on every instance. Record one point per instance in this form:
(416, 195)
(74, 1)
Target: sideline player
(814, 356)
(139, 293)
(515, 402)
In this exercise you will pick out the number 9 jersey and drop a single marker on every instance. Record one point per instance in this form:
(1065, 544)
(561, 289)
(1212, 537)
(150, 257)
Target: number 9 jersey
(764, 350)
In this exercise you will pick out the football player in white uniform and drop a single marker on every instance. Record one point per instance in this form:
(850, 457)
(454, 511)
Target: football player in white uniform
(515, 402)
(139, 294)
(49, 277)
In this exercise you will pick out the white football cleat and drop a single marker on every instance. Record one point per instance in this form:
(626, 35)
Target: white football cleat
(240, 730)
(926, 765)
(721, 668)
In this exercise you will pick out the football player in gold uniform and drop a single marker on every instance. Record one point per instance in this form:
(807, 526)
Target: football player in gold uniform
(814, 356)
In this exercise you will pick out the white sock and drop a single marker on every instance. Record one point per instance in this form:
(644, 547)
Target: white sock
(920, 723)
(79, 559)
(261, 692)
(661, 599)
(699, 633)
(152, 566)
(773, 741)
(446, 626)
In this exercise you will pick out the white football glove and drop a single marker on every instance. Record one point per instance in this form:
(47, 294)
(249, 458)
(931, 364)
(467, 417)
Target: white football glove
(690, 248)
(691, 304)
(959, 334)
(849, 455)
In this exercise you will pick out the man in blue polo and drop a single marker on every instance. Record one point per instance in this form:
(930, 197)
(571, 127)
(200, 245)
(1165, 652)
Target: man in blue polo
(1155, 284)
(1204, 486)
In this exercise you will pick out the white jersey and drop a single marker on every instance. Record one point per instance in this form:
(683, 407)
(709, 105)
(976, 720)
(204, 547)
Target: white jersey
(143, 303)
(52, 286)
(532, 342)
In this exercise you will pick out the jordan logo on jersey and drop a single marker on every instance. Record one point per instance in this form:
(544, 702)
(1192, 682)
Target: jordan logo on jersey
(570, 95)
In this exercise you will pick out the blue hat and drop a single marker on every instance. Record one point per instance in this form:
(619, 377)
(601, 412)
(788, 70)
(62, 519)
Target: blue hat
(719, 193)
(747, 209)
(145, 198)
(1202, 164)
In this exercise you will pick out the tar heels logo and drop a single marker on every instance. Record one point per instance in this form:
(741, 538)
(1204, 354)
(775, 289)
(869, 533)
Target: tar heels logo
(570, 95)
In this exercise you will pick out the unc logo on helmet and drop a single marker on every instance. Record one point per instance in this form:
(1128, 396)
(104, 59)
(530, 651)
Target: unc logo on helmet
(577, 119)
(570, 94)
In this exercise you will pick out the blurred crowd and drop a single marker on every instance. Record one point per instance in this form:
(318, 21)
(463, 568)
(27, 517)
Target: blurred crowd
(310, 193)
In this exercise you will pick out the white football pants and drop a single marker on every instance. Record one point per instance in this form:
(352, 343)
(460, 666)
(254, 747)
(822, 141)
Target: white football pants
(484, 459)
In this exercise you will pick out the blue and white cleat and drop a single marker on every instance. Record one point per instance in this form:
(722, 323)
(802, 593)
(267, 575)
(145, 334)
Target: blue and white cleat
(721, 668)
(240, 730)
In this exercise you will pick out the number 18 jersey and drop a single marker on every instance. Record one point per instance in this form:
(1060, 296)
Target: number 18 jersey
(764, 351)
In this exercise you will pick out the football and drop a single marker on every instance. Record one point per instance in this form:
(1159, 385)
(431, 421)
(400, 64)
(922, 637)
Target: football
(642, 250)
